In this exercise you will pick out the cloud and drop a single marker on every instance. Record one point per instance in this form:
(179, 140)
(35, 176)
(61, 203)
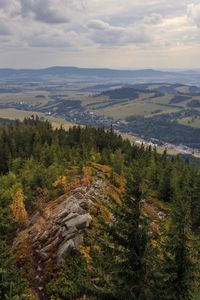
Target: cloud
(194, 13)
(104, 33)
(11, 7)
(98, 25)
(5, 29)
(47, 11)
(45, 40)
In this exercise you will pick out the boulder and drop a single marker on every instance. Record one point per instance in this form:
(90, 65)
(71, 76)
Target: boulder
(44, 256)
(51, 245)
(63, 214)
(79, 190)
(64, 251)
(70, 216)
(75, 208)
(79, 222)
(78, 195)
(70, 233)
(84, 205)
(44, 237)
(78, 241)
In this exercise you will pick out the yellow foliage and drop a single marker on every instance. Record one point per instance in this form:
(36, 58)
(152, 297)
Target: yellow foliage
(115, 194)
(54, 298)
(62, 180)
(86, 253)
(29, 294)
(66, 184)
(102, 168)
(87, 175)
(154, 244)
(18, 208)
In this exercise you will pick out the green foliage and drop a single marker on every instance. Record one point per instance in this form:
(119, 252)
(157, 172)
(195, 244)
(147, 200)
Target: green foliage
(72, 281)
(12, 284)
(131, 261)
(129, 234)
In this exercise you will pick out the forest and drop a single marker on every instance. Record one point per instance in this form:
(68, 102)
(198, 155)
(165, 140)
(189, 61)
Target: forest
(143, 240)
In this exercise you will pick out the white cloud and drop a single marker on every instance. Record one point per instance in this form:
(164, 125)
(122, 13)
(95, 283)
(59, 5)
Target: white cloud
(86, 26)
(104, 33)
(194, 13)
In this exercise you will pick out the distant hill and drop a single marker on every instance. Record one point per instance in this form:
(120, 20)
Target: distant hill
(38, 74)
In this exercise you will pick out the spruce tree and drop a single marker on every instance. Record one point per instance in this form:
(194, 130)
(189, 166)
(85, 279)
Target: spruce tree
(179, 267)
(129, 234)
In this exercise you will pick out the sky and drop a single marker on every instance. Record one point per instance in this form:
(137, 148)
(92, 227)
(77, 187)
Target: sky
(120, 34)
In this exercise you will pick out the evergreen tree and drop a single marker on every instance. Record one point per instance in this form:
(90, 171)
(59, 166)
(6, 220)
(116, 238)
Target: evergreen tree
(129, 232)
(179, 255)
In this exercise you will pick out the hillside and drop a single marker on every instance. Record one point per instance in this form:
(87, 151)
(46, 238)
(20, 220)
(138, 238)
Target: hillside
(86, 215)
(169, 108)
(26, 75)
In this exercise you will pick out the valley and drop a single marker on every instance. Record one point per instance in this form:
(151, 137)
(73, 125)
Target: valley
(162, 112)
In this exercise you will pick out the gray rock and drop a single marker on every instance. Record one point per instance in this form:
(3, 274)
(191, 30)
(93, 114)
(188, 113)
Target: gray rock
(43, 255)
(84, 205)
(64, 251)
(70, 233)
(80, 222)
(70, 216)
(63, 214)
(59, 232)
(51, 245)
(35, 238)
(75, 208)
(78, 195)
(78, 241)
(39, 269)
(79, 190)
(34, 218)
(44, 237)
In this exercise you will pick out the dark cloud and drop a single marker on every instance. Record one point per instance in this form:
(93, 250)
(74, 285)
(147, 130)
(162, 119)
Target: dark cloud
(47, 11)
(5, 29)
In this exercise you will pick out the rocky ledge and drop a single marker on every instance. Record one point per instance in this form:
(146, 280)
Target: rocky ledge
(58, 231)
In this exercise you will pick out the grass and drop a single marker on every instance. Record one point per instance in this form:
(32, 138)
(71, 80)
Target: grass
(26, 97)
(162, 99)
(189, 121)
(12, 114)
(141, 108)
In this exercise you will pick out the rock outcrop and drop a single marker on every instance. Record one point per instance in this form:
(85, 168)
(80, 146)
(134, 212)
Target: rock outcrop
(58, 231)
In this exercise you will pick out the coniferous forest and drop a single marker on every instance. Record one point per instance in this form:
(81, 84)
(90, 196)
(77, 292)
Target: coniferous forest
(142, 242)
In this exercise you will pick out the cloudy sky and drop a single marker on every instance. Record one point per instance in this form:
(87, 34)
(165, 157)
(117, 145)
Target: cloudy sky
(100, 33)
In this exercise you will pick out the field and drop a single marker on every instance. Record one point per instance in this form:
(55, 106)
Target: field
(14, 114)
(168, 113)
(190, 121)
(122, 111)
(39, 97)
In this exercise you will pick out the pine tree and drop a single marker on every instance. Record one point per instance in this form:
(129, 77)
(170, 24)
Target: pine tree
(129, 234)
(179, 266)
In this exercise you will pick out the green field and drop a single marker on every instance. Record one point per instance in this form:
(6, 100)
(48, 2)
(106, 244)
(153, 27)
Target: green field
(39, 97)
(143, 108)
(190, 121)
